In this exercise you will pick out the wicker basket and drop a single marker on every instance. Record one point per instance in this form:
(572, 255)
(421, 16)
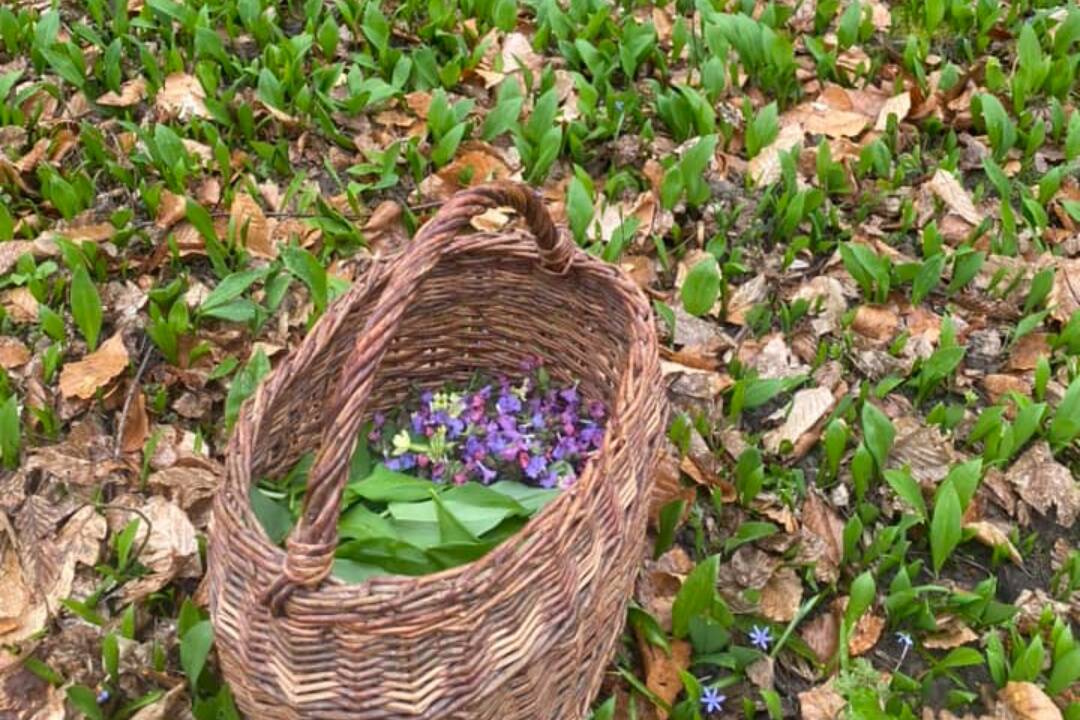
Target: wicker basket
(524, 632)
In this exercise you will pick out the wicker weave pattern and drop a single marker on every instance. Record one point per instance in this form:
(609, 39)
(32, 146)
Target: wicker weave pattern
(526, 631)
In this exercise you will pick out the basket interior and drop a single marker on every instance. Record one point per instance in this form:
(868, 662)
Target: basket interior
(479, 311)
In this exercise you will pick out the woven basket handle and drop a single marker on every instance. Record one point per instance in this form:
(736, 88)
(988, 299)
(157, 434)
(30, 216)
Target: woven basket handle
(310, 547)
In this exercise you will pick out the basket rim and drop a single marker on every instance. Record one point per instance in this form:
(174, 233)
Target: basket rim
(233, 496)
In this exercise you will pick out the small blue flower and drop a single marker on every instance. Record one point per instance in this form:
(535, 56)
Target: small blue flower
(508, 404)
(761, 637)
(536, 466)
(103, 696)
(712, 700)
(905, 639)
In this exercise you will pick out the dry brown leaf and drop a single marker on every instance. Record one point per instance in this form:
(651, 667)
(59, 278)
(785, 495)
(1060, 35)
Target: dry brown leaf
(782, 595)
(926, 450)
(1026, 701)
(138, 424)
(668, 485)
(20, 304)
(764, 168)
(762, 673)
(945, 185)
(822, 635)
(491, 220)
(13, 352)
(662, 670)
(1042, 482)
(876, 322)
(517, 53)
(898, 105)
(384, 230)
(827, 293)
(1027, 351)
(11, 251)
(171, 209)
(999, 384)
(822, 521)
(953, 633)
(251, 226)
(182, 97)
(1064, 297)
(745, 297)
(823, 120)
(83, 378)
(866, 634)
(807, 408)
(821, 703)
(659, 583)
(991, 535)
(131, 93)
(171, 550)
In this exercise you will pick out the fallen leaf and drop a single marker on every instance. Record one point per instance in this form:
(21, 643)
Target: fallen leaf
(821, 703)
(762, 673)
(999, 384)
(11, 251)
(992, 536)
(945, 185)
(19, 303)
(1026, 352)
(131, 93)
(659, 583)
(170, 551)
(668, 485)
(384, 229)
(83, 378)
(822, 635)
(138, 424)
(807, 407)
(764, 168)
(517, 54)
(13, 352)
(171, 209)
(1026, 701)
(1064, 297)
(822, 521)
(952, 632)
(491, 220)
(1042, 482)
(876, 322)
(251, 226)
(820, 119)
(898, 105)
(925, 449)
(745, 297)
(866, 634)
(662, 670)
(182, 97)
(781, 596)
(169, 706)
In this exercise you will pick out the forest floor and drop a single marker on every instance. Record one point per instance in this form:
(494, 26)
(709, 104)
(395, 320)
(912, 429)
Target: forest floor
(858, 223)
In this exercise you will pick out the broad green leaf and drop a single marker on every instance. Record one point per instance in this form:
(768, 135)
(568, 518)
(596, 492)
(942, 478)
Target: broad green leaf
(194, 648)
(308, 270)
(701, 287)
(243, 386)
(861, 597)
(1065, 426)
(386, 485)
(85, 700)
(1066, 671)
(86, 305)
(908, 489)
(274, 516)
(695, 597)
(878, 432)
(945, 525)
(10, 432)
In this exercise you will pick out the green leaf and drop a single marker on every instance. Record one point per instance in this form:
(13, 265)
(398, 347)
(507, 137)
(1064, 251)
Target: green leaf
(945, 525)
(927, 278)
(451, 529)
(194, 648)
(274, 516)
(10, 432)
(1066, 671)
(1065, 426)
(579, 208)
(964, 478)
(86, 305)
(386, 485)
(85, 701)
(878, 432)
(695, 597)
(960, 657)
(701, 287)
(1028, 666)
(308, 270)
(908, 489)
(605, 711)
(243, 386)
(376, 27)
(861, 597)
(670, 514)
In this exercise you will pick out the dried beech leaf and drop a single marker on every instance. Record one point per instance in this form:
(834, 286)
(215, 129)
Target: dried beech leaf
(945, 185)
(1042, 483)
(807, 408)
(83, 378)
(182, 97)
(1026, 701)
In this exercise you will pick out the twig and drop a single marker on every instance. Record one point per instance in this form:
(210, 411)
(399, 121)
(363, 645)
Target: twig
(118, 442)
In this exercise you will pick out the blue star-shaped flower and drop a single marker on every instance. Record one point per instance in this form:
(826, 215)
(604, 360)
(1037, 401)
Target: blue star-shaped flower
(761, 637)
(904, 639)
(712, 700)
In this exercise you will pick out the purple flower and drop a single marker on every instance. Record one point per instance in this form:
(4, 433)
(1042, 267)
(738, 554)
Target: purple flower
(597, 411)
(487, 475)
(712, 700)
(507, 404)
(379, 419)
(761, 637)
(535, 466)
(402, 462)
(570, 395)
(103, 696)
